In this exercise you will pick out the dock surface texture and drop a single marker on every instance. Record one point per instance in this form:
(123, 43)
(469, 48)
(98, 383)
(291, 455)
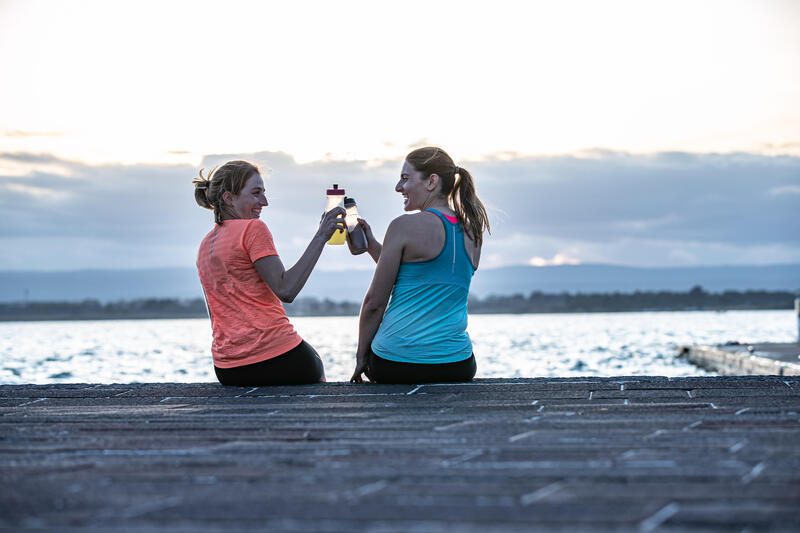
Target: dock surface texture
(571, 454)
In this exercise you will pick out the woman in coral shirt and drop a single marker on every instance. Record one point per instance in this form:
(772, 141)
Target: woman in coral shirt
(244, 282)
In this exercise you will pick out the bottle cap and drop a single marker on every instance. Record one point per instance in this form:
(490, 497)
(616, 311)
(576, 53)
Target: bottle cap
(336, 191)
(349, 202)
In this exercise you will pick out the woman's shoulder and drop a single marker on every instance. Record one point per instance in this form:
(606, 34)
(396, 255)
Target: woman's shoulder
(411, 222)
(245, 224)
(412, 219)
(254, 229)
(403, 220)
(413, 226)
(240, 229)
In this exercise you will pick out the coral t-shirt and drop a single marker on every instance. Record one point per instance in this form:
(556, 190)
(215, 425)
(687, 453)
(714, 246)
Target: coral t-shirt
(248, 321)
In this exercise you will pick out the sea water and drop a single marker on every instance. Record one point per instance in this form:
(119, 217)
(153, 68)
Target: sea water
(531, 345)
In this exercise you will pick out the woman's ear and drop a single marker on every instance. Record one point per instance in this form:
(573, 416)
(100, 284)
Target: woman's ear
(227, 197)
(433, 182)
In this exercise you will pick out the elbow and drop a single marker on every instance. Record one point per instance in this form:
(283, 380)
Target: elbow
(287, 296)
(284, 293)
(371, 307)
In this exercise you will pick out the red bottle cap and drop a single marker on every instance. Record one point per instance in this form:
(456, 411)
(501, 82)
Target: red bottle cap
(336, 190)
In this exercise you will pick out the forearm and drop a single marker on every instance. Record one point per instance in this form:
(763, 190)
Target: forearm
(369, 321)
(294, 279)
(374, 249)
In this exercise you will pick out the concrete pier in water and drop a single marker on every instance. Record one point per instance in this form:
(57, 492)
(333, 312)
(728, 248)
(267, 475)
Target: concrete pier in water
(734, 359)
(577, 454)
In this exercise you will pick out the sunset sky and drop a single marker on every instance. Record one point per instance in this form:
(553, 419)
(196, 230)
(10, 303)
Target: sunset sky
(638, 133)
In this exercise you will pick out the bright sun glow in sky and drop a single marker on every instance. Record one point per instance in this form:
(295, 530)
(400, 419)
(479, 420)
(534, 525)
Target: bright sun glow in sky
(170, 81)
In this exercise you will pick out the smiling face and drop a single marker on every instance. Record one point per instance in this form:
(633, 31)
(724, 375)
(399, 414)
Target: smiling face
(250, 200)
(415, 187)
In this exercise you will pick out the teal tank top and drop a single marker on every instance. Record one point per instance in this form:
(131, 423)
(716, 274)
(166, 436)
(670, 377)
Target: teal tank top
(426, 319)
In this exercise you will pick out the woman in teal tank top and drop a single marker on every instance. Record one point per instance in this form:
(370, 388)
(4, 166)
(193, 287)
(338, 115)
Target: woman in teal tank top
(413, 322)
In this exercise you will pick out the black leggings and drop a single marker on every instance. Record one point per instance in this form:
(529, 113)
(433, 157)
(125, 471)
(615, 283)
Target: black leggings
(299, 365)
(382, 370)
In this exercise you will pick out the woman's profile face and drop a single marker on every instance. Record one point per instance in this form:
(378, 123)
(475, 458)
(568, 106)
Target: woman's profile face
(413, 188)
(250, 200)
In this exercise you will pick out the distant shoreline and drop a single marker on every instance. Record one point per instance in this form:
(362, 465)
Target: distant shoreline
(535, 303)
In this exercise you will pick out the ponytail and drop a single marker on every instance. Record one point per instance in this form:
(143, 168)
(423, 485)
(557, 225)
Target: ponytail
(468, 207)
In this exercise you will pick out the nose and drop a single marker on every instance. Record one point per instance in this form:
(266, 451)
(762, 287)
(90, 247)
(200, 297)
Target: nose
(399, 186)
(263, 200)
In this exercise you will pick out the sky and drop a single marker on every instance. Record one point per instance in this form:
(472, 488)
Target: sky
(635, 133)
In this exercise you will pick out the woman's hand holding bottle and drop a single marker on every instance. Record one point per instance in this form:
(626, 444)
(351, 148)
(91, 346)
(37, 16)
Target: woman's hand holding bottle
(374, 247)
(330, 222)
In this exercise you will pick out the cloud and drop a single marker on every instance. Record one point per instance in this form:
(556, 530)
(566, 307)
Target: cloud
(661, 209)
(28, 157)
(23, 133)
(35, 192)
(558, 259)
(788, 146)
(670, 196)
(784, 189)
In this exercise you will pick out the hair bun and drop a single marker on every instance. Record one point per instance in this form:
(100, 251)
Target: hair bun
(201, 183)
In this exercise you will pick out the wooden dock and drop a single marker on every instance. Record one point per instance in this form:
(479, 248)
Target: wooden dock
(578, 454)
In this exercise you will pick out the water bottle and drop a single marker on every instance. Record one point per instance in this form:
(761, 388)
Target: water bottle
(336, 199)
(356, 239)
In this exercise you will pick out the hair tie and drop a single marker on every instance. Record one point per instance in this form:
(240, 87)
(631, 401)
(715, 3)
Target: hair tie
(457, 170)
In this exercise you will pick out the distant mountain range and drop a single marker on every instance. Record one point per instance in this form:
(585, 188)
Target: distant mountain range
(113, 285)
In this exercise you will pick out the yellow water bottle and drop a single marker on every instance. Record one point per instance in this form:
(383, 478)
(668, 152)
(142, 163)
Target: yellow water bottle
(336, 199)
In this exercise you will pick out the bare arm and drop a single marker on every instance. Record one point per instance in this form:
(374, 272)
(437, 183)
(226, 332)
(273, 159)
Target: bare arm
(377, 297)
(286, 284)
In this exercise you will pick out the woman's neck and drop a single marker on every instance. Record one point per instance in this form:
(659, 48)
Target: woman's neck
(439, 203)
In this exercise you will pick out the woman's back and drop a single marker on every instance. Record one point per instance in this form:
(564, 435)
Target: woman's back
(425, 237)
(249, 323)
(426, 319)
